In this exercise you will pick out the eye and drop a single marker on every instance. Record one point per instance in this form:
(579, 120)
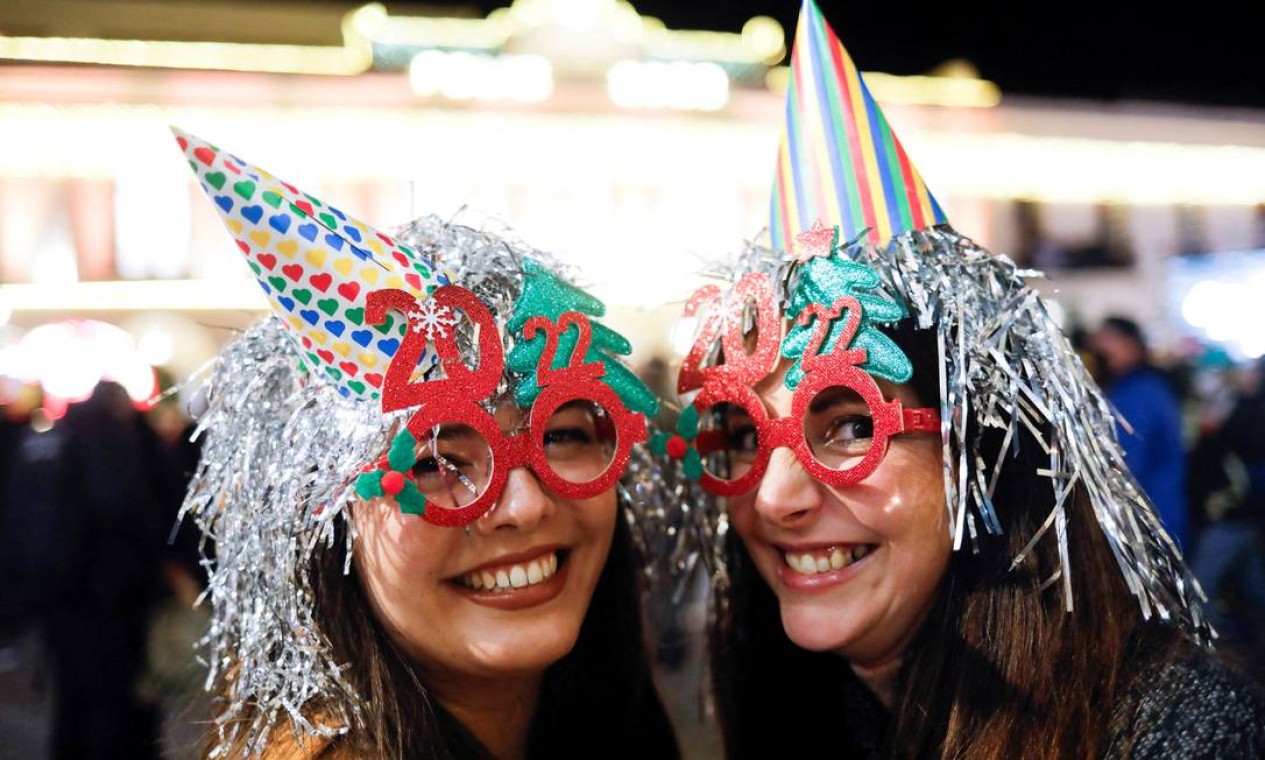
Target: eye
(848, 428)
(740, 432)
(579, 441)
(425, 466)
(742, 438)
(432, 464)
(577, 426)
(452, 467)
(561, 436)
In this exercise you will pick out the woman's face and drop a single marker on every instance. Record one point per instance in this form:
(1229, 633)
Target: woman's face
(855, 568)
(507, 596)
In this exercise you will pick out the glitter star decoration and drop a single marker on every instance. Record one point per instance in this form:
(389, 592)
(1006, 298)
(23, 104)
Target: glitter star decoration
(819, 240)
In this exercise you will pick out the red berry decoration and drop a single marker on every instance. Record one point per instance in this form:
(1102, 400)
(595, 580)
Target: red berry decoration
(392, 483)
(676, 447)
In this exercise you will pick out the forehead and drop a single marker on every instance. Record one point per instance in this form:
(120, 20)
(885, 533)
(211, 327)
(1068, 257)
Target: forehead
(773, 391)
(512, 417)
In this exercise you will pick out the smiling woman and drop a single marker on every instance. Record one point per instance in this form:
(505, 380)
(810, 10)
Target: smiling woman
(940, 551)
(411, 477)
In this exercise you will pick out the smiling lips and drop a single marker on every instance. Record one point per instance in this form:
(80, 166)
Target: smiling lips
(505, 577)
(826, 559)
(515, 582)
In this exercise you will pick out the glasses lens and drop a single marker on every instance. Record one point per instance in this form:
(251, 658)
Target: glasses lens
(838, 427)
(454, 464)
(727, 441)
(579, 441)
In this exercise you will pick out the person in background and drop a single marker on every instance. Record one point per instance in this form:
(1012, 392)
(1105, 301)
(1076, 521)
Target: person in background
(1228, 557)
(109, 532)
(29, 451)
(1152, 431)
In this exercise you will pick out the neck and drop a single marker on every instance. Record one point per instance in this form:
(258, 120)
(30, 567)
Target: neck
(497, 711)
(880, 677)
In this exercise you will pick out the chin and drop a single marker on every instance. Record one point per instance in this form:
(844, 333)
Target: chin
(818, 628)
(528, 647)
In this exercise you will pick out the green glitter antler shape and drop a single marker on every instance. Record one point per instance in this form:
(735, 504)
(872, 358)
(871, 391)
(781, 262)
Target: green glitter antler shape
(391, 476)
(825, 279)
(544, 295)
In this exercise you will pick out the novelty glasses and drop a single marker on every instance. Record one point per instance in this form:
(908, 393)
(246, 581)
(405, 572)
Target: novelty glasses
(578, 433)
(840, 425)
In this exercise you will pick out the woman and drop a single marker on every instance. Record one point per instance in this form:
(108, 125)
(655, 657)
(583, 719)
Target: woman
(410, 479)
(942, 553)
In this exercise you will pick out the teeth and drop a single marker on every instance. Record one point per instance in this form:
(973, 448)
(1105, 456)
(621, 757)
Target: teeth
(513, 576)
(831, 559)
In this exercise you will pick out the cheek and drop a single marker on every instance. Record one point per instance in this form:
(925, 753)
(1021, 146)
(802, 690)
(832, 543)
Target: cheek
(912, 517)
(913, 476)
(595, 518)
(398, 558)
(919, 552)
(742, 516)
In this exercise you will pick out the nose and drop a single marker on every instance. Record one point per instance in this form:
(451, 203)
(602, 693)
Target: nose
(523, 504)
(787, 495)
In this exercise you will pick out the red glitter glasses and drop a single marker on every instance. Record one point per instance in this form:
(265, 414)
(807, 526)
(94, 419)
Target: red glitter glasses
(578, 435)
(840, 425)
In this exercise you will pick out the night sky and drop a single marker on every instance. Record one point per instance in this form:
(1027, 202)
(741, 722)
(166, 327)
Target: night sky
(1197, 53)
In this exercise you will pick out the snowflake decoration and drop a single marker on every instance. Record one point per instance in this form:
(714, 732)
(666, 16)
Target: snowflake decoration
(433, 319)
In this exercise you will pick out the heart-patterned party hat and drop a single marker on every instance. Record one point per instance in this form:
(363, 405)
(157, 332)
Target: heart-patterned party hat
(316, 264)
(839, 162)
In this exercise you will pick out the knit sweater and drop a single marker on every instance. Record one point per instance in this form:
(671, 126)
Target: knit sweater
(1191, 707)
(1194, 707)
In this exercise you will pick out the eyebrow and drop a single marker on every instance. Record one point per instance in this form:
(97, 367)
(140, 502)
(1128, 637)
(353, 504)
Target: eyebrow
(449, 432)
(582, 405)
(832, 396)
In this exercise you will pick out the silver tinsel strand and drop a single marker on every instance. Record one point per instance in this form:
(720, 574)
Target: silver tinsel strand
(279, 455)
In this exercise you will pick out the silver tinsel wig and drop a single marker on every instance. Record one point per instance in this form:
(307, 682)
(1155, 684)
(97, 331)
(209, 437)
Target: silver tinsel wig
(1005, 364)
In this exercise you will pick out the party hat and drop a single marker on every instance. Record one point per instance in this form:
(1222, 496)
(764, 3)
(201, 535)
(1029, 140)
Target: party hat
(839, 162)
(317, 266)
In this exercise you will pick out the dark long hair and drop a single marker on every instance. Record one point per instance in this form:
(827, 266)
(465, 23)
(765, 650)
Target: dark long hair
(999, 666)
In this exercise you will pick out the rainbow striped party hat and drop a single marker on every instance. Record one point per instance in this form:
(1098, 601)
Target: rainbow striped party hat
(317, 266)
(839, 163)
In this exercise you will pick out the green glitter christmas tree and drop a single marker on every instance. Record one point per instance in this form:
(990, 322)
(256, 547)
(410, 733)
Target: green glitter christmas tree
(547, 296)
(825, 279)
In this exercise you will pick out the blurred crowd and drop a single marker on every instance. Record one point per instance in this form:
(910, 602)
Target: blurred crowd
(1194, 436)
(97, 573)
(96, 603)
